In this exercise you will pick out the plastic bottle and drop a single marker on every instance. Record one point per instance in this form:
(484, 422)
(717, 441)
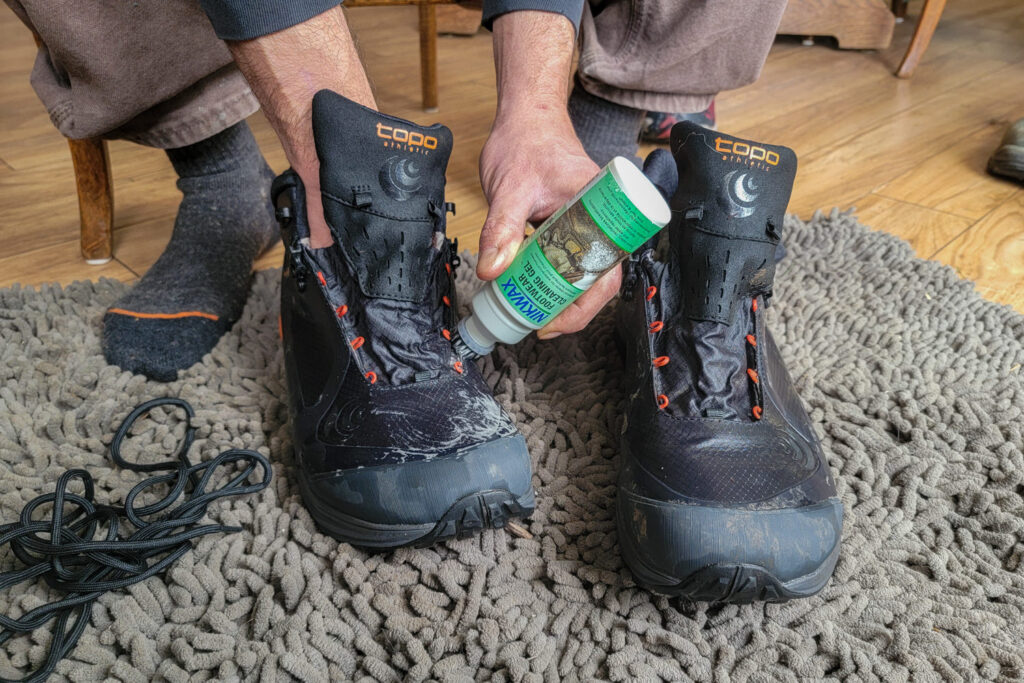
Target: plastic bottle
(609, 219)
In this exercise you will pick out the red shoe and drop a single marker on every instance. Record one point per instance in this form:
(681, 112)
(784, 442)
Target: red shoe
(658, 125)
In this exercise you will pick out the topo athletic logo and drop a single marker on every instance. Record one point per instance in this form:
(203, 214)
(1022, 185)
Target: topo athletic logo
(522, 302)
(401, 178)
(740, 192)
(400, 137)
(746, 150)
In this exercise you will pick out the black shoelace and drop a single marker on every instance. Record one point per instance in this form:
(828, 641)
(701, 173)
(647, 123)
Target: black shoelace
(71, 553)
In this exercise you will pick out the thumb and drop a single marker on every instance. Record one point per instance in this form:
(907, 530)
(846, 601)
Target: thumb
(502, 234)
(582, 311)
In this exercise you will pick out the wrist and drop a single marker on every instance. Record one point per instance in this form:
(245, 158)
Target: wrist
(533, 59)
(532, 117)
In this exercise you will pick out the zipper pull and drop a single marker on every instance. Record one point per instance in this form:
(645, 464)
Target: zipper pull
(300, 271)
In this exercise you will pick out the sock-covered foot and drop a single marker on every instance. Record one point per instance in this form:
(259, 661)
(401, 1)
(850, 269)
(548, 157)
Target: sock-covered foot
(198, 286)
(605, 129)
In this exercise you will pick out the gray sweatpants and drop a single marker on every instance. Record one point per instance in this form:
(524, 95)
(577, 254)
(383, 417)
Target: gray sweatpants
(149, 71)
(674, 55)
(154, 71)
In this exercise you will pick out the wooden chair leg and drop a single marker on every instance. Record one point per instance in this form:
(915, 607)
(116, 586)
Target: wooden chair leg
(458, 20)
(930, 14)
(428, 56)
(95, 198)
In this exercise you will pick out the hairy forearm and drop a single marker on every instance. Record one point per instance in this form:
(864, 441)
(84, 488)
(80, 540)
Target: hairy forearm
(533, 59)
(285, 69)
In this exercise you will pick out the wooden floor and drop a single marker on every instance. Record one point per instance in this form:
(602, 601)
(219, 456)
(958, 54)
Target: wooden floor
(910, 155)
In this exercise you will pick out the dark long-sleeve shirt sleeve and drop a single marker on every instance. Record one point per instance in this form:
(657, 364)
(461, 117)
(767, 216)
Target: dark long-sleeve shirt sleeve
(570, 9)
(248, 19)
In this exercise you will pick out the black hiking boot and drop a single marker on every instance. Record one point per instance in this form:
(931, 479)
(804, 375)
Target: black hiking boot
(724, 493)
(397, 441)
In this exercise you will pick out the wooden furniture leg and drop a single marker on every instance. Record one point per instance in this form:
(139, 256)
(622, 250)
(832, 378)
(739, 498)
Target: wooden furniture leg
(855, 24)
(95, 198)
(428, 56)
(428, 42)
(458, 20)
(930, 14)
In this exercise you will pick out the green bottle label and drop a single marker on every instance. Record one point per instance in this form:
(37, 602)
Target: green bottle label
(572, 249)
(611, 210)
(533, 287)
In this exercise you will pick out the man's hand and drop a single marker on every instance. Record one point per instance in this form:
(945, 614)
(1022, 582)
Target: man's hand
(533, 162)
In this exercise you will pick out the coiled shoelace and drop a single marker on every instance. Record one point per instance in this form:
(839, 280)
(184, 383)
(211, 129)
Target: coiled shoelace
(71, 553)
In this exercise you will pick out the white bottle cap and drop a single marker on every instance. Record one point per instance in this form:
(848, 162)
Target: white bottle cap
(491, 322)
(644, 194)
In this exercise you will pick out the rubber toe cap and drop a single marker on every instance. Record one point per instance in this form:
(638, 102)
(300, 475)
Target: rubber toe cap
(727, 554)
(397, 504)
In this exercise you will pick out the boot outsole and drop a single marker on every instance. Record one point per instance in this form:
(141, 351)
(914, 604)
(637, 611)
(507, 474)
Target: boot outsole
(743, 584)
(491, 509)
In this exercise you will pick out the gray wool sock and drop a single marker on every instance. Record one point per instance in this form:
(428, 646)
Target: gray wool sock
(606, 129)
(198, 286)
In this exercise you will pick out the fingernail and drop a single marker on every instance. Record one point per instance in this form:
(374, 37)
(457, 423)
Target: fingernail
(544, 336)
(487, 257)
(507, 254)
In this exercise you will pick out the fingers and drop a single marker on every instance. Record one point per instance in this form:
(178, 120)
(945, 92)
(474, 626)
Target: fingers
(502, 233)
(583, 310)
(319, 234)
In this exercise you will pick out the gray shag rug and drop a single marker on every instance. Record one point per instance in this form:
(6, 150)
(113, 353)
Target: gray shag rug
(915, 385)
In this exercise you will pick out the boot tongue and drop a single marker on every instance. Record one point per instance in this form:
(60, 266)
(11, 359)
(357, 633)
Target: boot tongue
(727, 218)
(367, 156)
(382, 182)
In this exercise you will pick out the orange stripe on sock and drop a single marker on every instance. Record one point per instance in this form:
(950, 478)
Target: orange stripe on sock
(164, 316)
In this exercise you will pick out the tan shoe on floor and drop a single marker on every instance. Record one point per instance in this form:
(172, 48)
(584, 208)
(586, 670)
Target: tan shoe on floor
(1008, 159)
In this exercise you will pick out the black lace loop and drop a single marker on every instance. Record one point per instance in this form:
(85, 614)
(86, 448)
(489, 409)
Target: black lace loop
(85, 548)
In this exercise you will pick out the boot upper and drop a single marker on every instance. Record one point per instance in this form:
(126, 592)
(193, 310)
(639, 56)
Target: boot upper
(713, 416)
(373, 378)
(382, 183)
